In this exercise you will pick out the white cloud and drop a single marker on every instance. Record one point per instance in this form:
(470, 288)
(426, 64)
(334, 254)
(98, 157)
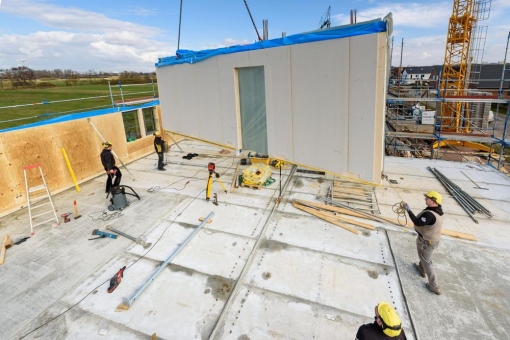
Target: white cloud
(83, 40)
(82, 51)
(226, 43)
(404, 14)
(142, 11)
(73, 18)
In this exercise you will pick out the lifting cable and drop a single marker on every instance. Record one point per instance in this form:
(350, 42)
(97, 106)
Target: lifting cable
(179, 36)
(398, 208)
(253, 22)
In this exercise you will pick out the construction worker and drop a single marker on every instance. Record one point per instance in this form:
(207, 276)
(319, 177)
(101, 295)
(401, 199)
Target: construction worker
(428, 225)
(387, 325)
(109, 166)
(159, 147)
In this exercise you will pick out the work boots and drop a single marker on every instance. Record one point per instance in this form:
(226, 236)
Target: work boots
(420, 269)
(436, 291)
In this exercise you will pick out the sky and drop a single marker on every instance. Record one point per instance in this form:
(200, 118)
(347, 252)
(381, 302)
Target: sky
(118, 35)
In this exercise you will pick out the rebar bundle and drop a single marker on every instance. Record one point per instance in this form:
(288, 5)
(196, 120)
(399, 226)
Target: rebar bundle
(468, 203)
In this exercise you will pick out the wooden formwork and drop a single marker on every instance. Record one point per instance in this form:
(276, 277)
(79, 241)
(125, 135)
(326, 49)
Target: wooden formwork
(43, 145)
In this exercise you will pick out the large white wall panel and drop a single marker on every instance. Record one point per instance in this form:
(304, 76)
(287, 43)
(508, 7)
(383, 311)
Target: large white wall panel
(167, 97)
(185, 99)
(226, 76)
(324, 101)
(320, 88)
(205, 75)
(362, 98)
(276, 62)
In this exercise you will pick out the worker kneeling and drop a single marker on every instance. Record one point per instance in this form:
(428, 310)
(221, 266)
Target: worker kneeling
(387, 325)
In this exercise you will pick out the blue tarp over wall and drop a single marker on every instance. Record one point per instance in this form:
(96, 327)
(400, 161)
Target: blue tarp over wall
(191, 57)
(82, 115)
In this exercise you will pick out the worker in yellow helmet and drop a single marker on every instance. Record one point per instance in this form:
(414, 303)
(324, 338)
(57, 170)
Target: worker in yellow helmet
(109, 166)
(159, 144)
(428, 225)
(387, 325)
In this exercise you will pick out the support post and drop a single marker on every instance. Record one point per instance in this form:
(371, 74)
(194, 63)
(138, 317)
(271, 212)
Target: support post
(70, 170)
(111, 95)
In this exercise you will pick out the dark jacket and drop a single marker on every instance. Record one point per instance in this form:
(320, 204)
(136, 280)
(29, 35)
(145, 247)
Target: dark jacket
(158, 144)
(107, 159)
(426, 218)
(372, 331)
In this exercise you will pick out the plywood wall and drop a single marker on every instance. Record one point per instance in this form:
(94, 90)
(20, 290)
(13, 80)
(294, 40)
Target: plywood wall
(324, 102)
(43, 145)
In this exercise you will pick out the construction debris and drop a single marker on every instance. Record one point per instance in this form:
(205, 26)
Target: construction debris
(466, 201)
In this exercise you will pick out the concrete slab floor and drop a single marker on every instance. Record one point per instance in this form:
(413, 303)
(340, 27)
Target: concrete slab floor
(251, 274)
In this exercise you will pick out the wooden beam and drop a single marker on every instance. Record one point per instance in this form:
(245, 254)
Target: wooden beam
(234, 182)
(337, 217)
(6, 243)
(330, 220)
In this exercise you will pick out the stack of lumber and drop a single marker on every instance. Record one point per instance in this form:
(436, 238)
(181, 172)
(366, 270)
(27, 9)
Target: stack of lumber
(339, 216)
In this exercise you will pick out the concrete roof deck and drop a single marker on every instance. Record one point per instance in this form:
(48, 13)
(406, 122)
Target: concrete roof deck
(257, 271)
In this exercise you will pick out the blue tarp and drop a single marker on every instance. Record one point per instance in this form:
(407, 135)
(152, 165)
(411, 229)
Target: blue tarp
(82, 115)
(191, 57)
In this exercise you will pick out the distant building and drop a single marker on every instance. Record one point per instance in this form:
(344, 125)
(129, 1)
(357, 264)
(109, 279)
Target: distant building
(419, 74)
(490, 79)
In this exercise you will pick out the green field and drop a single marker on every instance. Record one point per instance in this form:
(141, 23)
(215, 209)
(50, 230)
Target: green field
(10, 97)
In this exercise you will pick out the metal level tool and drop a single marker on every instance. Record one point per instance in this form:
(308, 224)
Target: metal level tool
(137, 240)
(102, 234)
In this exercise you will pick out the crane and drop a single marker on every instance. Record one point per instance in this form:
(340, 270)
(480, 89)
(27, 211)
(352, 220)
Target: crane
(455, 75)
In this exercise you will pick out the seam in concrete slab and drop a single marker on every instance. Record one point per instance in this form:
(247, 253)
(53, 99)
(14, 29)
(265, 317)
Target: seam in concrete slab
(340, 258)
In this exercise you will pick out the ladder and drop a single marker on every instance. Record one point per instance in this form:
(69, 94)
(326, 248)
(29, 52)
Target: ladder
(33, 204)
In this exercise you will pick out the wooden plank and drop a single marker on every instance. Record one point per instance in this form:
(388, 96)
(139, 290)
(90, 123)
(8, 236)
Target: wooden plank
(6, 243)
(337, 217)
(460, 235)
(252, 186)
(234, 182)
(330, 220)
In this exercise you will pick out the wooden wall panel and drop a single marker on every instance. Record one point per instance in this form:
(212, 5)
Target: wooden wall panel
(43, 145)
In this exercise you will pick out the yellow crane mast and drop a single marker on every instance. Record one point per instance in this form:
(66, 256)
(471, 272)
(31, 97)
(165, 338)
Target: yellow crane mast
(455, 76)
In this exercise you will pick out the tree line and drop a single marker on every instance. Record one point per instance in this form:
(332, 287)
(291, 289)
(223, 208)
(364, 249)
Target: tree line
(22, 77)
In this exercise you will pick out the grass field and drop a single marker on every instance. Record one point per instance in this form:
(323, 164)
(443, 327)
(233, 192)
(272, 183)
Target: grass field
(11, 97)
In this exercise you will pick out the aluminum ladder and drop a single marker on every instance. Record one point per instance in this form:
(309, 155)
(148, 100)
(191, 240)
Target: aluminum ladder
(33, 205)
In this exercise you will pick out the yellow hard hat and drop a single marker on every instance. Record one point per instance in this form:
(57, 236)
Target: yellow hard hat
(434, 196)
(107, 144)
(157, 133)
(391, 324)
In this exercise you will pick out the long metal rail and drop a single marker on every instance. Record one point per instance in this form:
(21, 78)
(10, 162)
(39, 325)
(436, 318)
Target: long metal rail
(466, 201)
(128, 302)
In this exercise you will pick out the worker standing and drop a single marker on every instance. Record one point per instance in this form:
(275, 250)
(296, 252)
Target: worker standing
(428, 225)
(109, 166)
(387, 325)
(159, 146)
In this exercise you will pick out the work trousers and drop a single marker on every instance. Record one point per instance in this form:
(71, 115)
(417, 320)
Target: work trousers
(109, 179)
(425, 251)
(161, 158)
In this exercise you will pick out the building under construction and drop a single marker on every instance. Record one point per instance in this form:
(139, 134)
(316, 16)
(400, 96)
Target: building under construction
(278, 216)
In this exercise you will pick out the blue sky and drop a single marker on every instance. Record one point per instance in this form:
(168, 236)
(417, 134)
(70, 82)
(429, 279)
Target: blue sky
(119, 35)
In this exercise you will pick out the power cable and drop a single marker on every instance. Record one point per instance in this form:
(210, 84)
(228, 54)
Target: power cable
(139, 258)
(179, 36)
(252, 21)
